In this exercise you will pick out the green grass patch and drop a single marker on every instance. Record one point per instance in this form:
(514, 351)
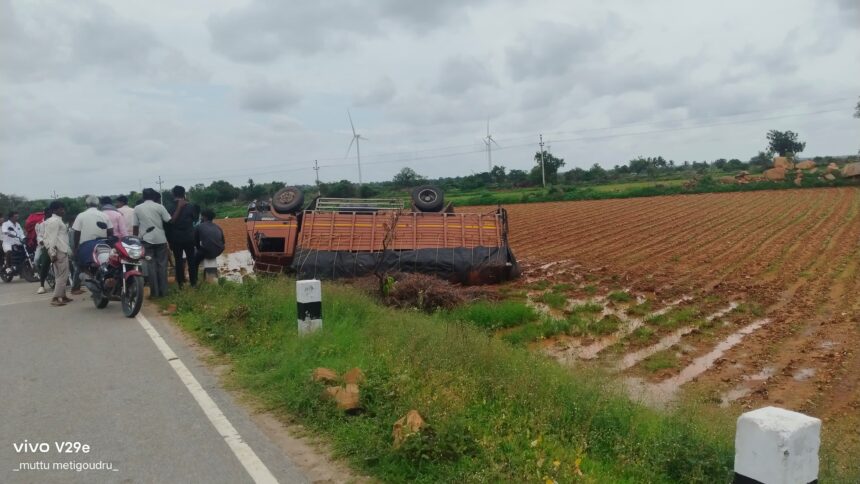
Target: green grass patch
(554, 300)
(590, 307)
(562, 287)
(660, 361)
(545, 328)
(590, 289)
(674, 318)
(539, 285)
(497, 413)
(642, 334)
(640, 310)
(620, 296)
(495, 314)
(751, 308)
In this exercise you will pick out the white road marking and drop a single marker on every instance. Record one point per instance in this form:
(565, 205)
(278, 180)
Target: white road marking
(255, 467)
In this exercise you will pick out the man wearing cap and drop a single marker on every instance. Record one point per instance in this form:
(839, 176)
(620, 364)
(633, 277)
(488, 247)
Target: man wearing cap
(114, 216)
(148, 223)
(85, 234)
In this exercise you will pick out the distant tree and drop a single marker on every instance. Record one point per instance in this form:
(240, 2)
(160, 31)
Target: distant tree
(518, 177)
(857, 110)
(762, 159)
(498, 174)
(784, 142)
(735, 164)
(252, 191)
(597, 173)
(551, 164)
(341, 189)
(407, 178)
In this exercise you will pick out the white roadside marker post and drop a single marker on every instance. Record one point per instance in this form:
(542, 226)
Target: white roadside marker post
(309, 304)
(776, 446)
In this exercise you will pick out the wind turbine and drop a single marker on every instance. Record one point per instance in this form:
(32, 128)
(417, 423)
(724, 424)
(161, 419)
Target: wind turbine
(489, 141)
(355, 139)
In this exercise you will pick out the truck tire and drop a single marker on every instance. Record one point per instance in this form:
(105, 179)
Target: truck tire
(428, 198)
(288, 200)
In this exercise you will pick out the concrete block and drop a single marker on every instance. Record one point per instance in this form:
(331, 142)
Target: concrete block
(308, 291)
(777, 446)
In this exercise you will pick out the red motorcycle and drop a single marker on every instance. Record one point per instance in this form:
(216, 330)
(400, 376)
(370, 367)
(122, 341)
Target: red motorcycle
(115, 274)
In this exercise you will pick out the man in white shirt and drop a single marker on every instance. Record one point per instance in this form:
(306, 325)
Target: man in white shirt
(56, 242)
(13, 235)
(126, 211)
(86, 230)
(149, 220)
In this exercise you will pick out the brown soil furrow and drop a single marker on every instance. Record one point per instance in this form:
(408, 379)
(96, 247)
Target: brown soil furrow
(699, 240)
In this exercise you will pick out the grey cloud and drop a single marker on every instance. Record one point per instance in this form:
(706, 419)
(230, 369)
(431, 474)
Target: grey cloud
(553, 49)
(460, 74)
(265, 30)
(39, 44)
(381, 93)
(851, 9)
(266, 96)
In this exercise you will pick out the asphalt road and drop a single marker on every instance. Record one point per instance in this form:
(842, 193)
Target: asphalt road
(79, 374)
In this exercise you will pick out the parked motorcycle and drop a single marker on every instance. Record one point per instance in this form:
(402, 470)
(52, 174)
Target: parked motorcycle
(22, 264)
(115, 273)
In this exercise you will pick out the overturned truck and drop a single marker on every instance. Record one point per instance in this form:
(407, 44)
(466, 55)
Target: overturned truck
(334, 238)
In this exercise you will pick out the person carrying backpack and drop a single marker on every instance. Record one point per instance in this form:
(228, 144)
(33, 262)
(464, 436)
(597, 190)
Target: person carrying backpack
(208, 238)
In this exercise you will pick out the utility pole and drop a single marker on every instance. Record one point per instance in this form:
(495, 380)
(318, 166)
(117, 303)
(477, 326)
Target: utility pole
(542, 171)
(54, 195)
(317, 170)
(159, 182)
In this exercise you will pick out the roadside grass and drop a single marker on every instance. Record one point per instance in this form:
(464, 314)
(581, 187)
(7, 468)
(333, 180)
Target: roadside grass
(590, 289)
(495, 315)
(660, 361)
(495, 412)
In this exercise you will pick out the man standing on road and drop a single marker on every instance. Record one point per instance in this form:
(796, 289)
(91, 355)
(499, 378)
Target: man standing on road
(13, 235)
(86, 233)
(114, 216)
(149, 219)
(126, 211)
(56, 242)
(40, 257)
(208, 238)
(182, 237)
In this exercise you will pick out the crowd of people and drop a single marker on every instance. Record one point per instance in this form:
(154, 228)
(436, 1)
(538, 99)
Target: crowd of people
(187, 233)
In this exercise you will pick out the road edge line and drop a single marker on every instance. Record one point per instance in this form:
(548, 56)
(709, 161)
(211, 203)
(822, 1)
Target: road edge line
(249, 460)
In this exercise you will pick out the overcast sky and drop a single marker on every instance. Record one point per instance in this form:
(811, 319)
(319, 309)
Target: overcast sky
(103, 97)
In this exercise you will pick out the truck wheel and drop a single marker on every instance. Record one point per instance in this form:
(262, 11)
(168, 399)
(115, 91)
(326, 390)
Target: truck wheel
(428, 198)
(287, 200)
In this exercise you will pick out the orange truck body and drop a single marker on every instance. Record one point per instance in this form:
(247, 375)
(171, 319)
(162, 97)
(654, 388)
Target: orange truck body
(467, 247)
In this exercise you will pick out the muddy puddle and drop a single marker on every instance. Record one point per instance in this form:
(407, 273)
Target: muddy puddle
(663, 392)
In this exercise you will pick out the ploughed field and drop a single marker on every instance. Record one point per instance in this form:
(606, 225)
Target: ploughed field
(743, 299)
(736, 299)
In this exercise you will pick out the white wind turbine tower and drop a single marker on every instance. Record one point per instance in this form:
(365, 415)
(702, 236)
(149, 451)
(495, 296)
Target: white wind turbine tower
(489, 141)
(355, 139)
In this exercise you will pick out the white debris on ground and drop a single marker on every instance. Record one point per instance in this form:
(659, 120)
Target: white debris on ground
(236, 265)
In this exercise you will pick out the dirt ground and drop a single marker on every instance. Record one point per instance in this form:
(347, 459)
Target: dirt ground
(771, 278)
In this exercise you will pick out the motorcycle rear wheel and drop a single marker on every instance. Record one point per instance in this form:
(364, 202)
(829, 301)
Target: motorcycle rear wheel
(132, 297)
(27, 273)
(100, 300)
